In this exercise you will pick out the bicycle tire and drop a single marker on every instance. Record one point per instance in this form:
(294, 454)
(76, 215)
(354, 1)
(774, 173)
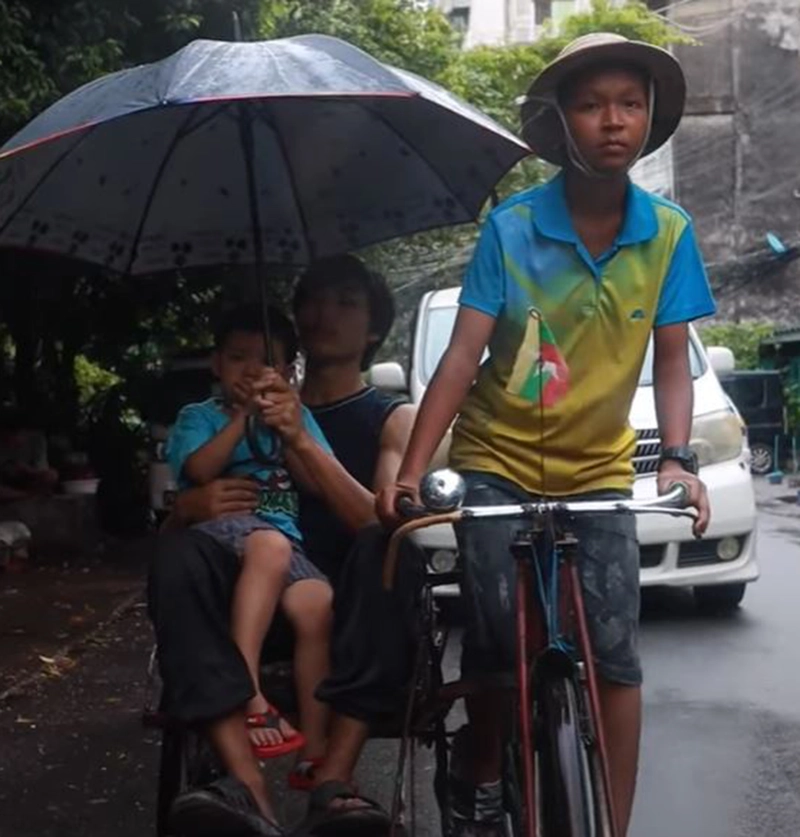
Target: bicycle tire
(566, 778)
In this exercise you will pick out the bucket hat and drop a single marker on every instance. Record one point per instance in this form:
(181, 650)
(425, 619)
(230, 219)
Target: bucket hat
(542, 124)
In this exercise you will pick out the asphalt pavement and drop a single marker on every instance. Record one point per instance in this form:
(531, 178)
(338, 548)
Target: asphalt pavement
(720, 756)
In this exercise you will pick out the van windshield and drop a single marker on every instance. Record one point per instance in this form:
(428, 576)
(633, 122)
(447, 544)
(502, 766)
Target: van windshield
(439, 326)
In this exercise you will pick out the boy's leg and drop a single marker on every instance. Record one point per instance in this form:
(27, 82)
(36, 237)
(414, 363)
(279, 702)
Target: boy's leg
(609, 570)
(265, 565)
(488, 648)
(308, 607)
(622, 720)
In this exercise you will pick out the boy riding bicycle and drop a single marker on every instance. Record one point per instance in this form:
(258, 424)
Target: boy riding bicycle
(567, 284)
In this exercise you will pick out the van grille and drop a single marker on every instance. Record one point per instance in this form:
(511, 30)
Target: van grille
(648, 449)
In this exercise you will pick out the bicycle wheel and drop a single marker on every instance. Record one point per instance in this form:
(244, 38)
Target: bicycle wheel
(566, 777)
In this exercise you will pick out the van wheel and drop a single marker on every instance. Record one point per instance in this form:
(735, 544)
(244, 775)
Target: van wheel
(719, 599)
(761, 459)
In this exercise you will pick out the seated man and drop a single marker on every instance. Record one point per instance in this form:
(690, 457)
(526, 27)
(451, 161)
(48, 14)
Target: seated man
(343, 314)
(24, 470)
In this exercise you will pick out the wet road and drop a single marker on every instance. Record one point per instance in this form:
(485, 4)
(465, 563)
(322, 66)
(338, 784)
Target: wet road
(721, 752)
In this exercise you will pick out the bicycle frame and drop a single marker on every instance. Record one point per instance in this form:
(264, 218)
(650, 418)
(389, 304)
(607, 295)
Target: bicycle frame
(546, 526)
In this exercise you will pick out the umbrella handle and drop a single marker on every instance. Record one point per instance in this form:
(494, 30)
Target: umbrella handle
(271, 457)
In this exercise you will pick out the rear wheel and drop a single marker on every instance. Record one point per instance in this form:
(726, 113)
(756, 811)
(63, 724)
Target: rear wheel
(761, 458)
(566, 778)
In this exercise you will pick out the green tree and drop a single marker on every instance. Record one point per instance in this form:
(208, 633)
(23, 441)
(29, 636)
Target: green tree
(743, 339)
(398, 32)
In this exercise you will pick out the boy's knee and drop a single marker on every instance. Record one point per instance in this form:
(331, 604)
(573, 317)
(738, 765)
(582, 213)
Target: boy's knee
(268, 550)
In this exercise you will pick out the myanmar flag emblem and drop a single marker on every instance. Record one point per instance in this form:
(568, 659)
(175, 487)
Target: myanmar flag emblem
(540, 373)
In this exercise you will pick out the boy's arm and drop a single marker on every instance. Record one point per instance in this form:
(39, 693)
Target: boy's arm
(674, 397)
(209, 461)
(443, 398)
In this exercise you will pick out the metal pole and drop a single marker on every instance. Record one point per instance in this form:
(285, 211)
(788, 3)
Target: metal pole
(237, 26)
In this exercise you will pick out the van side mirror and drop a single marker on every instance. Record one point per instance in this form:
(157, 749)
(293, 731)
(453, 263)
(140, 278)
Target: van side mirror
(388, 376)
(721, 359)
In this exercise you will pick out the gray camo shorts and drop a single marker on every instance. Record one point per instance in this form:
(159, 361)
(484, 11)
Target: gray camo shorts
(608, 565)
(233, 531)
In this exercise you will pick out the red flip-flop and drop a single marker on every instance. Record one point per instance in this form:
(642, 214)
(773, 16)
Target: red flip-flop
(271, 719)
(301, 777)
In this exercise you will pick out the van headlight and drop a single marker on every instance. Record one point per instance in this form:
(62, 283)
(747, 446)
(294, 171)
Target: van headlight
(717, 437)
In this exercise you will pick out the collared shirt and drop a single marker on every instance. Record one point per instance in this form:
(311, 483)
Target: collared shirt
(549, 410)
(198, 423)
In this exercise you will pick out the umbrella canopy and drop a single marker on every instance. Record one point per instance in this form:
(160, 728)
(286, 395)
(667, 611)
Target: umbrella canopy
(273, 152)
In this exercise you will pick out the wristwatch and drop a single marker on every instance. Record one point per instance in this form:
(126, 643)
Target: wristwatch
(683, 455)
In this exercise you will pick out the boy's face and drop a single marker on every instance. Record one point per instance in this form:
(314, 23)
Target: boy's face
(607, 114)
(241, 360)
(333, 322)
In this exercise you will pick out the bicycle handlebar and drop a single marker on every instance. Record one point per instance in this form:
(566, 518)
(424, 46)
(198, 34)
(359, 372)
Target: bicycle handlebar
(673, 503)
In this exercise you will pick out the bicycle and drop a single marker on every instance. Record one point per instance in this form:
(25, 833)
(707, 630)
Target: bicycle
(558, 783)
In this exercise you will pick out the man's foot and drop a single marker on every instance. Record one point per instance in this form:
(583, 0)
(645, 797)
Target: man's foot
(334, 808)
(225, 808)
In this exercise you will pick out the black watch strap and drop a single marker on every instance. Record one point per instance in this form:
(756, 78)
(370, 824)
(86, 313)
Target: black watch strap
(683, 455)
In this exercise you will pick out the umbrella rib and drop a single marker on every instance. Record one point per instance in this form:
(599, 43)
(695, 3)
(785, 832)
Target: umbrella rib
(173, 144)
(292, 182)
(395, 130)
(35, 188)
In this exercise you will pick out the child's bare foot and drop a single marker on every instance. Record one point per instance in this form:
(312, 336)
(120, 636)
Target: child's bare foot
(269, 731)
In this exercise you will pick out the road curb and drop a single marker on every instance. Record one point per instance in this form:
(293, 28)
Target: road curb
(72, 648)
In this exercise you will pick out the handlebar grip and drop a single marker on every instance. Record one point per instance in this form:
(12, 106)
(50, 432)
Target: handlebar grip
(678, 496)
(408, 509)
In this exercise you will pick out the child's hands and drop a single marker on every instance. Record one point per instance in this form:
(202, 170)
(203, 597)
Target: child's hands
(279, 407)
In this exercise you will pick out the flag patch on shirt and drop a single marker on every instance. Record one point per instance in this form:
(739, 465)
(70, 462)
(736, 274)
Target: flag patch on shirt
(540, 372)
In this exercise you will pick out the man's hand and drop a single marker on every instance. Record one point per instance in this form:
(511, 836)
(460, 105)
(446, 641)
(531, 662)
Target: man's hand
(219, 498)
(671, 473)
(387, 498)
(278, 406)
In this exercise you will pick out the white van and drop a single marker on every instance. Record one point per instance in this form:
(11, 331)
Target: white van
(717, 567)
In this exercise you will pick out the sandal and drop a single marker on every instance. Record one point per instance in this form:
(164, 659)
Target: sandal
(324, 821)
(271, 719)
(301, 776)
(226, 806)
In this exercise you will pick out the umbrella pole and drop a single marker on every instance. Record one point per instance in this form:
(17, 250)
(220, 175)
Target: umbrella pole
(251, 427)
(248, 149)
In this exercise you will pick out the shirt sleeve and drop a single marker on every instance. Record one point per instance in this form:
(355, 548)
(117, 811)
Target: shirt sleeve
(192, 429)
(484, 286)
(310, 424)
(685, 294)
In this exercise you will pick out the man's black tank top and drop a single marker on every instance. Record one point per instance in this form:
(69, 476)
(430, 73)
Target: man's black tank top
(353, 428)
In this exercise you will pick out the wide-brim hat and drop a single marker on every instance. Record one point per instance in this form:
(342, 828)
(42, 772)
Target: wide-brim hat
(542, 127)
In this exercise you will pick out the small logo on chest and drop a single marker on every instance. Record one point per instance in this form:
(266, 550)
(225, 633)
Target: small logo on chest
(637, 314)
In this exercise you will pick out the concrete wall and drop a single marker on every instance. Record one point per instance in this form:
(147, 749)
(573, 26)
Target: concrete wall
(737, 153)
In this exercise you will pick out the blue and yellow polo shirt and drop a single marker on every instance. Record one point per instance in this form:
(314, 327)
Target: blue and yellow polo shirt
(571, 335)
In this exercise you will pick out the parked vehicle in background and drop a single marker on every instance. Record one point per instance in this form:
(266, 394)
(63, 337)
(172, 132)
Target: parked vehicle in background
(717, 567)
(758, 396)
(186, 378)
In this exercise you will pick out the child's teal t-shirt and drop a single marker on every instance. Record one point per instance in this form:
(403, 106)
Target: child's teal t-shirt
(197, 424)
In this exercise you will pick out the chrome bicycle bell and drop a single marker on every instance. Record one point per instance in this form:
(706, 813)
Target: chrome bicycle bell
(443, 490)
